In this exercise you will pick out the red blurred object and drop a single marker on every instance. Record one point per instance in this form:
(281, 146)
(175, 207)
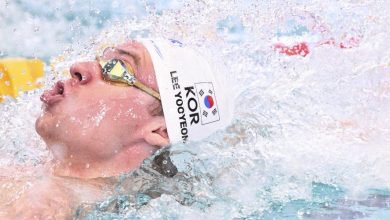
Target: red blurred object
(301, 49)
(345, 44)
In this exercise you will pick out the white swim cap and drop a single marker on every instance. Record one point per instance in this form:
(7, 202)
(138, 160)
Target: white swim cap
(195, 95)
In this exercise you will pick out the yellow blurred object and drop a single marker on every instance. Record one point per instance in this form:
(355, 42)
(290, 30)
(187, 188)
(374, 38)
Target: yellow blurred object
(18, 74)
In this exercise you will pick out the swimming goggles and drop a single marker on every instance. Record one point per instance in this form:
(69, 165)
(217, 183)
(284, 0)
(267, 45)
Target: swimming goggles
(118, 71)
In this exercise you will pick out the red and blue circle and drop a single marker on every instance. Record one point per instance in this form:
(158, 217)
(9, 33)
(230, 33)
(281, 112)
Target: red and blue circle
(208, 101)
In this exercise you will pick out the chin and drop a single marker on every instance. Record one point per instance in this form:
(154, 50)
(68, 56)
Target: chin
(43, 126)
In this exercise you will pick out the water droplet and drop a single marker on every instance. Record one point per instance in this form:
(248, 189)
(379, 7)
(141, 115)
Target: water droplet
(36, 29)
(165, 161)
(7, 83)
(115, 4)
(87, 165)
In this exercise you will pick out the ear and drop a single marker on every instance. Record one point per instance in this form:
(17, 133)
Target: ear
(155, 132)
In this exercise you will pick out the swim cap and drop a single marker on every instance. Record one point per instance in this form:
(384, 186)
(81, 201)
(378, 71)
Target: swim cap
(194, 94)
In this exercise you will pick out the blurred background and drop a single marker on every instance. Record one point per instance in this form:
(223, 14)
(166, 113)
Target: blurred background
(45, 28)
(311, 135)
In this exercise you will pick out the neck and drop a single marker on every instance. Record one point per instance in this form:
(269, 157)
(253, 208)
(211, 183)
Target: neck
(128, 159)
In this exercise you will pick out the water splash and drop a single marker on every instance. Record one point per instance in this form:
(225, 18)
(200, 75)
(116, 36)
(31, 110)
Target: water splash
(303, 124)
(19, 143)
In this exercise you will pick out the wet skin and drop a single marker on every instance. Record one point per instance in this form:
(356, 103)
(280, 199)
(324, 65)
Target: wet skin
(93, 129)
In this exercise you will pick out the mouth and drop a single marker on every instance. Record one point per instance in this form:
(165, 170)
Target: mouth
(54, 95)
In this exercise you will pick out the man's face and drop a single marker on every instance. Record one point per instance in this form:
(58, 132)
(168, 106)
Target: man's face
(87, 118)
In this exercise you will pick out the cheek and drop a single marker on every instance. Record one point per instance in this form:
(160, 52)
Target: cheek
(91, 136)
(97, 131)
(95, 124)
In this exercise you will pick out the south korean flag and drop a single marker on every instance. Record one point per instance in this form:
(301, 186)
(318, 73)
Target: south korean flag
(208, 102)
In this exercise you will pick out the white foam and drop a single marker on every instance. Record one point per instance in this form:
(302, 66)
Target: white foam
(320, 118)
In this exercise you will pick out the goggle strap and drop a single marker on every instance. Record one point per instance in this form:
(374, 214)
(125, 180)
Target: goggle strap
(129, 68)
(146, 89)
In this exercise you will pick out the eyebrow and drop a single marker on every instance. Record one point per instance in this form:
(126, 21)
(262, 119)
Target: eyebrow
(135, 56)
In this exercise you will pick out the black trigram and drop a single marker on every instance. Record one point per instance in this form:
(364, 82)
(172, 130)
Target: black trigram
(210, 91)
(214, 111)
(201, 92)
(205, 113)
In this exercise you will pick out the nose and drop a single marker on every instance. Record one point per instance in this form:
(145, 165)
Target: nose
(85, 72)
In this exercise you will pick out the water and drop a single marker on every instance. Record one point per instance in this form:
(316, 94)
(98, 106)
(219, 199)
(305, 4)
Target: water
(311, 134)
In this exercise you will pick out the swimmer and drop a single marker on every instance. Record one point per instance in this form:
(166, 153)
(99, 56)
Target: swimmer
(116, 111)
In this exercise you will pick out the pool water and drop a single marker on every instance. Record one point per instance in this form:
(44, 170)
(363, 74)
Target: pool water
(311, 134)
